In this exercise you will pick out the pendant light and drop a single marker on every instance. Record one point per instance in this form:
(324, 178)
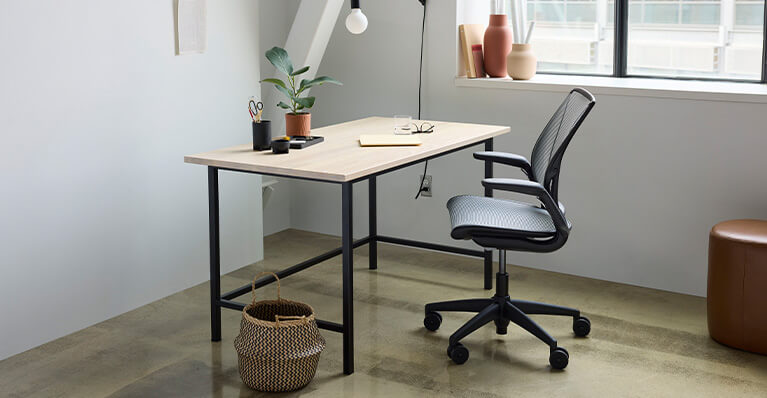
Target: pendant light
(356, 22)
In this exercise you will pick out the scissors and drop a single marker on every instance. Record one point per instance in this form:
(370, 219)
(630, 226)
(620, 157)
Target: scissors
(255, 109)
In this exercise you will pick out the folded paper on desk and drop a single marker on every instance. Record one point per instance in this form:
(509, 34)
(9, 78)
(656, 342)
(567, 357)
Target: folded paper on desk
(389, 140)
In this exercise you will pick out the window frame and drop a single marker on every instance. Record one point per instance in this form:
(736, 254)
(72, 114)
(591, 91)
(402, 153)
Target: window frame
(620, 52)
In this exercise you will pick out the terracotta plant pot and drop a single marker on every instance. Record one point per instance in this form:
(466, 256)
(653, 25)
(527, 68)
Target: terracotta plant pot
(298, 124)
(497, 45)
(522, 63)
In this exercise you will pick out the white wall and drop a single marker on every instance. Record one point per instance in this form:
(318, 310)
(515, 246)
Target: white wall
(643, 181)
(99, 213)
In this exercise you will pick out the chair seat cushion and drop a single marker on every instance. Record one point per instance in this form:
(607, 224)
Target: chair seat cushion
(473, 216)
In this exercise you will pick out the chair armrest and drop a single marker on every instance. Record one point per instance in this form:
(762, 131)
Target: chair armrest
(508, 159)
(531, 188)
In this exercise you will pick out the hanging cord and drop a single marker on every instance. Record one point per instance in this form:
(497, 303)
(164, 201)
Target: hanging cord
(420, 77)
(420, 65)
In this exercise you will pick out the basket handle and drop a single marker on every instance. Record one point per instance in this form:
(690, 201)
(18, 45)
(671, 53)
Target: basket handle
(253, 285)
(278, 318)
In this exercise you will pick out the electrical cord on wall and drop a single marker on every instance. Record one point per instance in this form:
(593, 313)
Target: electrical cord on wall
(420, 77)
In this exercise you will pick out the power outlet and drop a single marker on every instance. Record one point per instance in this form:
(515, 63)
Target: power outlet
(426, 188)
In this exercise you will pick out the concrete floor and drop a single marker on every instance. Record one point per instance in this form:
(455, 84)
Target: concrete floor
(644, 343)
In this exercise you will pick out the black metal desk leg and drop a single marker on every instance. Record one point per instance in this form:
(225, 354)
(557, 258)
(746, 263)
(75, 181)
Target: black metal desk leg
(489, 194)
(347, 252)
(373, 223)
(215, 255)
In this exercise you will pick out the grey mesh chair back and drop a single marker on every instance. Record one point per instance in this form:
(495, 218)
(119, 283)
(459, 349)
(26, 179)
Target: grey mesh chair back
(550, 147)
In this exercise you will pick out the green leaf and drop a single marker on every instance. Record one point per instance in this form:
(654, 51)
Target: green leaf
(307, 84)
(300, 71)
(276, 82)
(285, 91)
(283, 105)
(280, 59)
(307, 102)
(299, 107)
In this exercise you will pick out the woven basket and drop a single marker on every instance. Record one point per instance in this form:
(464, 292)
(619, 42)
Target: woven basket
(279, 343)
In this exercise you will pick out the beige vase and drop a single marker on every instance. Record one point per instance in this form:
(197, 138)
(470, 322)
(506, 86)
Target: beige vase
(521, 62)
(298, 124)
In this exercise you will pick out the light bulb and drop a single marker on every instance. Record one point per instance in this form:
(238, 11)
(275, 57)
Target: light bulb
(356, 22)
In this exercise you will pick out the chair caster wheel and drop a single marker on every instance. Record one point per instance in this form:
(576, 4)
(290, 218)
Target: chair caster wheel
(432, 320)
(458, 353)
(581, 326)
(501, 326)
(559, 358)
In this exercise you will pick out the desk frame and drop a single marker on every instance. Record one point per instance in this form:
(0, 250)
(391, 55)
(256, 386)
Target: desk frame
(220, 300)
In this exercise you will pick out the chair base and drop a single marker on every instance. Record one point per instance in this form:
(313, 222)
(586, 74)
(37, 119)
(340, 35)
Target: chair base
(502, 310)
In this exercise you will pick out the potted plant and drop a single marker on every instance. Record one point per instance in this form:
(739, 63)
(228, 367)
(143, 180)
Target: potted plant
(298, 121)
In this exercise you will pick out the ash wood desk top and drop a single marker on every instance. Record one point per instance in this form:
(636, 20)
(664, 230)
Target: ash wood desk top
(340, 158)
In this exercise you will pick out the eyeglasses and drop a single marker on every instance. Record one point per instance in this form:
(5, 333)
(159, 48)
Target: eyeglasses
(424, 128)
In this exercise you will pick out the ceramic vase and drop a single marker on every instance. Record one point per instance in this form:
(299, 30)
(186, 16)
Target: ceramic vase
(298, 124)
(521, 62)
(497, 45)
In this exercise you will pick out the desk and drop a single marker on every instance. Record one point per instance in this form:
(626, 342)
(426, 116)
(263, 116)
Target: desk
(338, 160)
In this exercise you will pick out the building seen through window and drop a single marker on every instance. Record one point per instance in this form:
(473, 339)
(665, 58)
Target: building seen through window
(670, 38)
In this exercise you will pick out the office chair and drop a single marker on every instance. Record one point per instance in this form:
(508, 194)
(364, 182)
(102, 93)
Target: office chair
(511, 225)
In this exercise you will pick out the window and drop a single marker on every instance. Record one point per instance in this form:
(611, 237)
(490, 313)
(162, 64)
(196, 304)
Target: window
(571, 36)
(709, 39)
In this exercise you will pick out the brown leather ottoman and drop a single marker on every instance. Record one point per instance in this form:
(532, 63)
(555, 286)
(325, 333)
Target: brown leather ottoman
(737, 284)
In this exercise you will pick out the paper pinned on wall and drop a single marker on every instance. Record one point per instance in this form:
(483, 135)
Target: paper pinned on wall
(192, 27)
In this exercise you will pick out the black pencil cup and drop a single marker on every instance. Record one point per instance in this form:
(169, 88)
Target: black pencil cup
(262, 135)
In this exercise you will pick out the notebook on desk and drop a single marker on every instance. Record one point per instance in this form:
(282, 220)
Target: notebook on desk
(389, 140)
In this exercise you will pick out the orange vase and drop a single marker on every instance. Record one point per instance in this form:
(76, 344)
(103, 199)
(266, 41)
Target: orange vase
(497, 45)
(298, 124)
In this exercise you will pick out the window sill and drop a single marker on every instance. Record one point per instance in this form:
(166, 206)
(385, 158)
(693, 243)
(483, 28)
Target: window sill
(637, 87)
